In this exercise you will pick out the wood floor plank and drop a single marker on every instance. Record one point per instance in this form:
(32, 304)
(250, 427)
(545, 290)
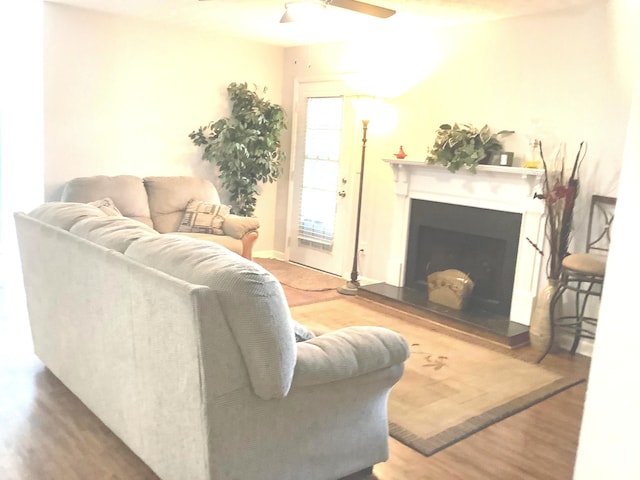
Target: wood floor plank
(46, 433)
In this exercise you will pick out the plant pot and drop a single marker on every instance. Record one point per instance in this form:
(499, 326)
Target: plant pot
(540, 326)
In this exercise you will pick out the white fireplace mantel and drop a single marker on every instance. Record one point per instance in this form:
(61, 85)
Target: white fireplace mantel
(508, 189)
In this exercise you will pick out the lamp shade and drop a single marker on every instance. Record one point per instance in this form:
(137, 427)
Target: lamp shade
(367, 107)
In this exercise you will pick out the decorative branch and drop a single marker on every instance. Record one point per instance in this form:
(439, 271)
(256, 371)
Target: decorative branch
(534, 245)
(559, 197)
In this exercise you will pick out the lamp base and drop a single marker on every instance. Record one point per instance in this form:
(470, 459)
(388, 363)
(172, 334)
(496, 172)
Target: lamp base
(351, 288)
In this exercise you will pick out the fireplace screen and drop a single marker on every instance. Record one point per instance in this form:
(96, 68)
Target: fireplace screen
(479, 242)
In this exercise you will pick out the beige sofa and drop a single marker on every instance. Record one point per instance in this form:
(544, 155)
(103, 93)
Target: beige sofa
(160, 202)
(188, 353)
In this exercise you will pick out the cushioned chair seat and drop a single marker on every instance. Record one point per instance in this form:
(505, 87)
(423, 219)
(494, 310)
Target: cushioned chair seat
(586, 263)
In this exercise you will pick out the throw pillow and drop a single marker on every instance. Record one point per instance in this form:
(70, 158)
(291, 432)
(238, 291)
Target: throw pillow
(203, 217)
(302, 333)
(107, 206)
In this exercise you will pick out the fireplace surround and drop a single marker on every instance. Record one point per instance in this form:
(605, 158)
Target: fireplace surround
(504, 197)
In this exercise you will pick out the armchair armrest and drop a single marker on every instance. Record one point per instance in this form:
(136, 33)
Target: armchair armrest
(237, 227)
(347, 353)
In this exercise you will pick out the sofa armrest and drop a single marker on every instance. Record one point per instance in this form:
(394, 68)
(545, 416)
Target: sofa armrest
(346, 353)
(237, 227)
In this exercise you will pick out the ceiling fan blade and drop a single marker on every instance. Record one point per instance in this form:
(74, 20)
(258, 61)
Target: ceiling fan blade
(362, 7)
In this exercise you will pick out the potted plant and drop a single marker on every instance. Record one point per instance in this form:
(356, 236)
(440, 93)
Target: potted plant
(459, 146)
(245, 146)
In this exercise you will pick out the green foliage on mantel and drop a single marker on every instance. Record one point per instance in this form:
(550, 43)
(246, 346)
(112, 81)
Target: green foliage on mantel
(464, 146)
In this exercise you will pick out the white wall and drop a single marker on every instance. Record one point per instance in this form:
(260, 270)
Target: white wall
(122, 95)
(555, 67)
(611, 420)
(21, 171)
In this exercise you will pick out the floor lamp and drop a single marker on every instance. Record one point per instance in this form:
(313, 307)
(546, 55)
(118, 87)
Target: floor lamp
(351, 287)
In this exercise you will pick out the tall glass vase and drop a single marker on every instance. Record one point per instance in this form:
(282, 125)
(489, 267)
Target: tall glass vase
(540, 327)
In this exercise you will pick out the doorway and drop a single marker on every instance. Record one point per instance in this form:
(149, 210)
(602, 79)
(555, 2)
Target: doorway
(322, 190)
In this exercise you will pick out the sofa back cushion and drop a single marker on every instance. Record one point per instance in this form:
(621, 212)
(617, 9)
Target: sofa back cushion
(107, 206)
(168, 198)
(116, 233)
(126, 191)
(251, 299)
(65, 214)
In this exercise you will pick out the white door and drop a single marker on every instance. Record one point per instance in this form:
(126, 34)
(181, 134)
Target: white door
(322, 189)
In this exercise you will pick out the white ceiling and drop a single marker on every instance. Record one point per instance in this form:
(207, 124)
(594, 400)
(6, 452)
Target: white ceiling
(259, 19)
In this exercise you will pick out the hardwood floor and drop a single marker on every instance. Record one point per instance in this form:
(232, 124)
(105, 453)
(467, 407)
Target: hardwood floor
(46, 433)
(539, 443)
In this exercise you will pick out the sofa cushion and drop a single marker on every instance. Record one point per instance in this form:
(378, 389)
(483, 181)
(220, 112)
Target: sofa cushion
(116, 233)
(231, 243)
(250, 297)
(126, 191)
(65, 214)
(107, 206)
(168, 198)
(203, 217)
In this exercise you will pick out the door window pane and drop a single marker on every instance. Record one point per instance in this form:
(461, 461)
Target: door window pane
(320, 172)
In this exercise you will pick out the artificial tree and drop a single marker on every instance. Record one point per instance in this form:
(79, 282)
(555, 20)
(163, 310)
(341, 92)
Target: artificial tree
(245, 146)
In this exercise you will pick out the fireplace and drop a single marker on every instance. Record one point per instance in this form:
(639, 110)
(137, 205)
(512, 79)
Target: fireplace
(486, 220)
(480, 242)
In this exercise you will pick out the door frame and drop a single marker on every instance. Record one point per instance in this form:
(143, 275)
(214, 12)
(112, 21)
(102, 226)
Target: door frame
(342, 89)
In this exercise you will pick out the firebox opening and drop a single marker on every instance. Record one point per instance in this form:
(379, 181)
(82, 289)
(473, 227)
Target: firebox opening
(479, 242)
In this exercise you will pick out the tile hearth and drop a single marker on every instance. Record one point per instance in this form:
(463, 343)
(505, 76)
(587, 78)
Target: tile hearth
(489, 326)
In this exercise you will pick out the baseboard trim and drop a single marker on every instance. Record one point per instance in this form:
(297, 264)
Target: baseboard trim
(269, 254)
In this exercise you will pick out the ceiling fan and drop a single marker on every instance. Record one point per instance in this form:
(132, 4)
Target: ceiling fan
(304, 9)
(308, 7)
(360, 7)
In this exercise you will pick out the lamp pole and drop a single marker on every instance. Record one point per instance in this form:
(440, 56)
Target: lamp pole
(351, 287)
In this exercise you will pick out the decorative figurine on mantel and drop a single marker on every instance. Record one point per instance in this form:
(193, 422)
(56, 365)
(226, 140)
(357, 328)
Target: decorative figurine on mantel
(400, 155)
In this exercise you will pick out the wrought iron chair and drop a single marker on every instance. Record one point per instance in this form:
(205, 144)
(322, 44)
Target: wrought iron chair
(583, 274)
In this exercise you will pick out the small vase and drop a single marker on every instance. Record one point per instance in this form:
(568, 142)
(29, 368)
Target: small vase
(400, 155)
(534, 158)
(540, 326)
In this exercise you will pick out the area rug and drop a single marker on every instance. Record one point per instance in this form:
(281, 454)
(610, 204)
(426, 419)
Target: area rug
(450, 388)
(302, 285)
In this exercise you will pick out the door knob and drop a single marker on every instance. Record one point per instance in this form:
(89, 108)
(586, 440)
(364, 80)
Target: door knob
(342, 193)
